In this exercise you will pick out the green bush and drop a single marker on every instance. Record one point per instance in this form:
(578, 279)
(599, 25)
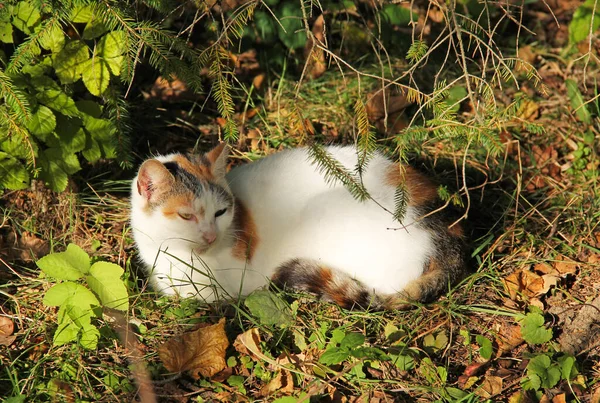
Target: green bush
(60, 75)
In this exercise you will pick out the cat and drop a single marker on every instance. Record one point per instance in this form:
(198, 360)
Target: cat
(210, 234)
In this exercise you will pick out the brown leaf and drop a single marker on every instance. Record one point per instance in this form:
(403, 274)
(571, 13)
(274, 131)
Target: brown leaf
(258, 80)
(491, 386)
(248, 342)
(170, 90)
(528, 283)
(508, 338)
(201, 352)
(527, 55)
(6, 330)
(564, 267)
(282, 382)
(560, 398)
(544, 268)
(529, 110)
(473, 368)
(379, 103)
(315, 57)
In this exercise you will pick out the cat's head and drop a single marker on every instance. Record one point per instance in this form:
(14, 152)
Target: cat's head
(188, 196)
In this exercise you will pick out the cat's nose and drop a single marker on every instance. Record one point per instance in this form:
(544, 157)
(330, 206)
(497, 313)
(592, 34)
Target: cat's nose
(209, 237)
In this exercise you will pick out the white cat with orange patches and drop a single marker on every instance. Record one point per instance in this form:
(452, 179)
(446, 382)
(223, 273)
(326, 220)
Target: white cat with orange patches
(204, 233)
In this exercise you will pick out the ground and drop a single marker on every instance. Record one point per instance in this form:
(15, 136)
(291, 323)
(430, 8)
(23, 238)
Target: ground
(521, 327)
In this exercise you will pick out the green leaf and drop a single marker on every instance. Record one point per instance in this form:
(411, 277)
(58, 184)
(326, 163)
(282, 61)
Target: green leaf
(64, 159)
(334, 355)
(67, 329)
(269, 308)
(111, 48)
(403, 362)
(26, 16)
(290, 28)
(352, 340)
(266, 26)
(89, 337)
(577, 102)
(369, 353)
(18, 144)
(456, 393)
(68, 290)
(13, 175)
(435, 342)
(105, 281)
(542, 373)
(579, 28)
(533, 330)
(485, 349)
(81, 14)
(566, 363)
(6, 32)
(69, 62)
(20, 399)
(70, 138)
(96, 75)
(56, 166)
(92, 151)
(94, 28)
(53, 39)
(89, 108)
(57, 100)
(71, 264)
(42, 122)
(395, 14)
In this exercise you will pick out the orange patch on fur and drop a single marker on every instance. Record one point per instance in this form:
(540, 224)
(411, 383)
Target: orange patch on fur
(456, 230)
(433, 266)
(199, 170)
(420, 189)
(336, 293)
(246, 233)
(173, 204)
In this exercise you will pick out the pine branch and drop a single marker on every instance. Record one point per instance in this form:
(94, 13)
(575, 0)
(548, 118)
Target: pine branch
(14, 98)
(333, 171)
(366, 140)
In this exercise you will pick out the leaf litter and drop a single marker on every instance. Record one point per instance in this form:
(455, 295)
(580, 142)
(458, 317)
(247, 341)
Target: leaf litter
(201, 353)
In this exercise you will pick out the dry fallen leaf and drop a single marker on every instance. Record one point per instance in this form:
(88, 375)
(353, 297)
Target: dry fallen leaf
(283, 382)
(201, 352)
(491, 386)
(529, 110)
(248, 342)
(315, 57)
(560, 398)
(508, 338)
(379, 104)
(6, 331)
(564, 267)
(474, 368)
(529, 284)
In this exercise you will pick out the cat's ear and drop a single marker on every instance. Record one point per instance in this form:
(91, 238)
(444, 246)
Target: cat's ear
(218, 160)
(153, 179)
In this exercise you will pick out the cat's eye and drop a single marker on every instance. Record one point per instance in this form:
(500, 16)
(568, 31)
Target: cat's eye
(186, 216)
(220, 212)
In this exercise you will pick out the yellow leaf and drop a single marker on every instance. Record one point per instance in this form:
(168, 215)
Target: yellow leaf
(201, 352)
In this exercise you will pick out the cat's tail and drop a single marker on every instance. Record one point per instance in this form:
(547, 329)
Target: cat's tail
(442, 270)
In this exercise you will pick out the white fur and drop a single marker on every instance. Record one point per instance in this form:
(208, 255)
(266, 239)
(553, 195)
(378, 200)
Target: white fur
(298, 215)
